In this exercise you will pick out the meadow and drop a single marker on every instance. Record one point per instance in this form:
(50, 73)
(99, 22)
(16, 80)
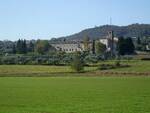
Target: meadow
(135, 66)
(38, 70)
(58, 89)
(75, 95)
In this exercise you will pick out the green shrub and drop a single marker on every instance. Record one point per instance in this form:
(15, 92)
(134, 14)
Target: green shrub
(91, 59)
(8, 60)
(77, 64)
(106, 66)
(117, 63)
(53, 61)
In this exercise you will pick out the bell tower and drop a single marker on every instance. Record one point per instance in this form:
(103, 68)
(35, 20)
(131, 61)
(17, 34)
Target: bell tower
(111, 38)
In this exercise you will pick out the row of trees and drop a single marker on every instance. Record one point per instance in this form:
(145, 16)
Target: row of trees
(125, 46)
(55, 58)
(40, 47)
(20, 47)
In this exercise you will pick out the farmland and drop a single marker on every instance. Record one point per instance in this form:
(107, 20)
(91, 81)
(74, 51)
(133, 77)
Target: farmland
(58, 89)
(75, 95)
(136, 66)
(36, 70)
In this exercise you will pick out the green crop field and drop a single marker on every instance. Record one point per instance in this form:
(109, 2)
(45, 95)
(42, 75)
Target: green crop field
(71, 92)
(135, 66)
(36, 70)
(75, 95)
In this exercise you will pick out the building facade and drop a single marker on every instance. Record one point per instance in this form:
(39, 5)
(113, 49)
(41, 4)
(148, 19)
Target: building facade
(69, 47)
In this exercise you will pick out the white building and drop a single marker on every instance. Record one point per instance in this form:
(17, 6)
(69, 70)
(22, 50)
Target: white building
(111, 43)
(69, 47)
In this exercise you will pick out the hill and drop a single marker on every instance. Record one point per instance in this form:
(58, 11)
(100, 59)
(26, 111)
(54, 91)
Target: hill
(134, 30)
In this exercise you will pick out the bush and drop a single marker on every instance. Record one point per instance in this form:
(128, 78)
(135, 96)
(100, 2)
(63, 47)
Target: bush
(53, 61)
(91, 59)
(77, 63)
(106, 67)
(66, 60)
(8, 60)
(117, 63)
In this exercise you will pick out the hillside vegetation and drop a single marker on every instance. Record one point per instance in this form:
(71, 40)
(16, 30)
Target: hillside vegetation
(134, 30)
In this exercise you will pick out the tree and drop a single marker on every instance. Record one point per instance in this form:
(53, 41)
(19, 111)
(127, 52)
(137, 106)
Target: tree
(138, 41)
(100, 48)
(18, 47)
(125, 46)
(121, 46)
(21, 47)
(14, 49)
(86, 42)
(24, 47)
(42, 46)
(130, 48)
(31, 47)
(77, 63)
(93, 46)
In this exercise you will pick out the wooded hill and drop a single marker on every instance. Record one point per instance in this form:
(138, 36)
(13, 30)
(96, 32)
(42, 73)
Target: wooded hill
(134, 30)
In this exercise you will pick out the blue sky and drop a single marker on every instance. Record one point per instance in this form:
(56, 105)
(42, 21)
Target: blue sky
(44, 19)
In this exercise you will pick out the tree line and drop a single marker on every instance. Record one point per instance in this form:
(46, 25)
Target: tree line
(125, 46)
(40, 47)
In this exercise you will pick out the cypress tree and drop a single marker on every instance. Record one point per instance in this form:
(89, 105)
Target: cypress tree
(93, 46)
(130, 48)
(138, 41)
(24, 47)
(21, 47)
(121, 47)
(14, 49)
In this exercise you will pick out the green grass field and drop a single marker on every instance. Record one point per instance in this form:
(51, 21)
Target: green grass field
(36, 70)
(135, 66)
(75, 95)
(71, 92)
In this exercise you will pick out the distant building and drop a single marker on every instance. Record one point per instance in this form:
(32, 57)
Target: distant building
(111, 43)
(107, 42)
(69, 47)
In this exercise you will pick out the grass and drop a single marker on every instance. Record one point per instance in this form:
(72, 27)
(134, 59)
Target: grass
(33, 70)
(135, 66)
(71, 94)
(75, 95)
